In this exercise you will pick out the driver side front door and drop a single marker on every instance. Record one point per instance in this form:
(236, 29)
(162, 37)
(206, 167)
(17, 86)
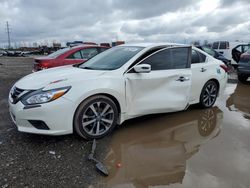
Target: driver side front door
(166, 88)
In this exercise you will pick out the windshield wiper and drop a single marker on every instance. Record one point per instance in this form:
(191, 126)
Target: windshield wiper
(90, 68)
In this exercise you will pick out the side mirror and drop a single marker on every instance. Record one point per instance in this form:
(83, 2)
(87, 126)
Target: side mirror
(142, 68)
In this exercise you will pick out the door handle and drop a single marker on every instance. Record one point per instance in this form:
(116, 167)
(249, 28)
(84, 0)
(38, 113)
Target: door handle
(183, 79)
(203, 69)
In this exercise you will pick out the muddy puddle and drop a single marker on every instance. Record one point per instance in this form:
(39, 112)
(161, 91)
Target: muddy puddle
(194, 148)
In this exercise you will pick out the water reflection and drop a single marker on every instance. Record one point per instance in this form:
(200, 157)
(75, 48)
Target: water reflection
(154, 150)
(240, 100)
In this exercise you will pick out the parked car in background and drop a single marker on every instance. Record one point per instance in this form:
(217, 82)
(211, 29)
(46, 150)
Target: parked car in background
(238, 50)
(68, 56)
(243, 69)
(215, 54)
(121, 83)
(225, 48)
(3, 53)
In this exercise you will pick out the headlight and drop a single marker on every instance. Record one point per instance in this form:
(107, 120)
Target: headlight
(39, 97)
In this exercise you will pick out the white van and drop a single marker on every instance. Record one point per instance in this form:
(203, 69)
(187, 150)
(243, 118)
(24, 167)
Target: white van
(226, 47)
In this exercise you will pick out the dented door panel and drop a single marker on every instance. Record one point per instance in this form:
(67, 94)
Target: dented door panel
(157, 91)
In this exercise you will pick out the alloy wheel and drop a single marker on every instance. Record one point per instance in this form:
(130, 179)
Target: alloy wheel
(210, 94)
(98, 118)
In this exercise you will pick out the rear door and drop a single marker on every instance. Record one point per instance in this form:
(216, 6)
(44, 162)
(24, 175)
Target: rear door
(166, 88)
(199, 68)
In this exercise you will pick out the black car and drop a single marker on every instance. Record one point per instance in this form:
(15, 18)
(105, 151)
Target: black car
(215, 54)
(243, 69)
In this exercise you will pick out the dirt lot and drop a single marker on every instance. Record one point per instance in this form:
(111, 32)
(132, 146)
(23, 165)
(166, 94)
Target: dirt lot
(39, 161)
(195, 148)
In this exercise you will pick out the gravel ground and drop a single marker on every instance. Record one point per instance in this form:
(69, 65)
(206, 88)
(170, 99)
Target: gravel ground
(28, 160)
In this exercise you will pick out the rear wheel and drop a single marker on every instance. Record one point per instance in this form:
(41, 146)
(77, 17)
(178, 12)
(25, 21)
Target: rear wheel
(209, 94)
(95, 117)
(242, 78)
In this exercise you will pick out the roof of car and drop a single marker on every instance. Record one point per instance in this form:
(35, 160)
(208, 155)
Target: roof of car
(153, 44)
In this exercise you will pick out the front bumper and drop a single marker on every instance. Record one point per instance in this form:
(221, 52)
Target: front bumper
(57, 115)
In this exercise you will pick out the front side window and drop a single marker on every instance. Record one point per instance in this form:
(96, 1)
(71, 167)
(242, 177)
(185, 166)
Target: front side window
(174, 58)
(112, 58)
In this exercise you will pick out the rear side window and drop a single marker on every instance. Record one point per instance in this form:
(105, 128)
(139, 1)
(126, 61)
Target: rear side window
(174, 58)
(197, 57)
(76, 55)
(89, 53)
(215, 45)
(202, 57)
(102, 49)
(224, 45)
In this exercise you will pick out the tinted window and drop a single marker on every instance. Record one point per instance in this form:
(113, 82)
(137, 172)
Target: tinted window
(76, 55)
(179, 57)
(224, 45)
(202, 57)
(215, 45)
(89, 53)
(197, 57)
(175, 58)
(111, 59)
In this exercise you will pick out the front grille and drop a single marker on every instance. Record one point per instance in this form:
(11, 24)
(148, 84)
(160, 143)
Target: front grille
(15, 94)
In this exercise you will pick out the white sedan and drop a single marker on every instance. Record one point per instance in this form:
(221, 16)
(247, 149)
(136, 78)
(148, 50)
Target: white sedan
(119, 84)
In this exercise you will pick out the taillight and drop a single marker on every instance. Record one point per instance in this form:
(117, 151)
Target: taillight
(225, 68)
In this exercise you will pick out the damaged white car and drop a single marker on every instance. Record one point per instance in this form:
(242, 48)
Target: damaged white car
(121, 83)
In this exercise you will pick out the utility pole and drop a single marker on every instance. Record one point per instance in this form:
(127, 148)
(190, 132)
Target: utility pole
(8, 32)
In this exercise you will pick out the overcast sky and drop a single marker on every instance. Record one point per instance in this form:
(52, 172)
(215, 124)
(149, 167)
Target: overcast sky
(129, 20)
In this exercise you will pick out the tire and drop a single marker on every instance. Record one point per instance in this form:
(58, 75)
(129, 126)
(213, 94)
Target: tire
(209, 94)
(95, 117)
(242, 78)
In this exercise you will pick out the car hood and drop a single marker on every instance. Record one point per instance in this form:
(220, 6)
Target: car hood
(56, 76)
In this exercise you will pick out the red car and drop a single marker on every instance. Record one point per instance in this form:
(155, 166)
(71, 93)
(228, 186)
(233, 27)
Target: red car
(68, 56)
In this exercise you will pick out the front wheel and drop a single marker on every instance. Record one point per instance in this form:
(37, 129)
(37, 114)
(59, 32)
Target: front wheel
(209, 94)
(95, 117)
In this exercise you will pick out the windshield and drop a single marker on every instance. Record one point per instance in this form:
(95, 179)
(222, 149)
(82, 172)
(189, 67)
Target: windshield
(58, 52)
(111, 59)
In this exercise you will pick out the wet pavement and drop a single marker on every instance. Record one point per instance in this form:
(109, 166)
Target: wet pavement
(194, 148)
